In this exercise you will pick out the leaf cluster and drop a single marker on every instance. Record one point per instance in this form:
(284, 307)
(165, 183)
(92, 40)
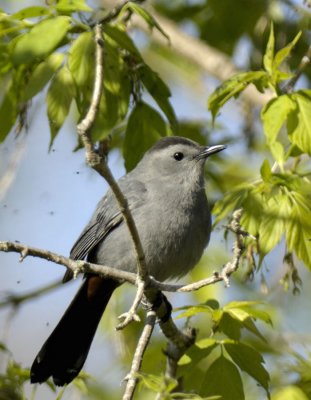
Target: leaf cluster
(52, 46)
(278, 204)
(222, 355)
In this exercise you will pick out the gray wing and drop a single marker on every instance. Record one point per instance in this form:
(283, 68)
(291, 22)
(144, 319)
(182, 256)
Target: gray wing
(107, 217)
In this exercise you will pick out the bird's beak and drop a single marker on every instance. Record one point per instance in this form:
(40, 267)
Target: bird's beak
(208, 151)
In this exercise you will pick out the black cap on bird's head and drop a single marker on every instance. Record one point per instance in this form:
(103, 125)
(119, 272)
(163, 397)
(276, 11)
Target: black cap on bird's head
(204, 152)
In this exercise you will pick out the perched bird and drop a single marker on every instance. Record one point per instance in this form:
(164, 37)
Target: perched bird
(167, 199)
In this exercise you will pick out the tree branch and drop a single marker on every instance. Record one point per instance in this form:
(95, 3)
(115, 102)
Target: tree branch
(211, 60)
(17, 300)
(84, 127)
(99, 163)
(305, 61)
(131, 378)
(76, 267)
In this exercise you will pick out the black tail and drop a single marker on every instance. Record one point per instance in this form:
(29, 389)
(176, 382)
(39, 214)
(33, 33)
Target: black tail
(63, 354)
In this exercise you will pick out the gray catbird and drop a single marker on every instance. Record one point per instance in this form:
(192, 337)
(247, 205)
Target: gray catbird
(167, 199)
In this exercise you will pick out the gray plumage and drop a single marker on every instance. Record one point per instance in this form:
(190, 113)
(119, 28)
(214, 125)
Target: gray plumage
(167, 199)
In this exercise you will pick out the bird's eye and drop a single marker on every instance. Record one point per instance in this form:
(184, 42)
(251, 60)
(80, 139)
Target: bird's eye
(178, 156)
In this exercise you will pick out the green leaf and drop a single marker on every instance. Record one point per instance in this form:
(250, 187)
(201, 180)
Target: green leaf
(160, 92)
(193, 310)
(81, 61)
(145, 126)
(251, 307)
(249, 360)
(41, 40)
(231, 201)
(223, 378)
(201, 349)
(269, 54)
(229, 325)
(118, 34)
(298, 227)
(244, 316)
(5, 61)
(31, 12)
(41, 75)
(59, 97)
(116, 76)
(70, 6)
(299, 121)
(265, 170)
(272, 227)
(232, 87)
(277, 151)
(107, 116)
(283, 53)
(8, 110)
(274, 114)
(253, 207)
(249, 324)
(146, 16)
(289, 393)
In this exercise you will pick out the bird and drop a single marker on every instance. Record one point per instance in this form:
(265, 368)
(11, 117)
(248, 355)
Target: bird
(167, 199)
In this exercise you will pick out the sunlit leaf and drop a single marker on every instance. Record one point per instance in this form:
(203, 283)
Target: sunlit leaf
(41, 40)
(265, 170)
(299, 121)
(59, 97)
(277, 151)
(272, 227)
(269, 54)
(193, 310)
(70, 6)
(107, 116)
(274, 115)
(118, 34)
(31, 12)
(298, 229)
(283, 53)
(81, 60)
(251, 308)
(201, 349)
(41, 75)
(146, 16)
(8, 110)
(232, 87)
(289, 393)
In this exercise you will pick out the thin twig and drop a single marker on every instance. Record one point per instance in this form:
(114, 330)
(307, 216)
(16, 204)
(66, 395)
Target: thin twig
(87, 122)
(132, 315)
(115, 12)
(76, 267)
(17, 300)
(80, 266)
(305, 61)
(99, 162)
(138, 356)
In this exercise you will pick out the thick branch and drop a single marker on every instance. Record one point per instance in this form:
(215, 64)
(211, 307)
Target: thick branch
(206, 57)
